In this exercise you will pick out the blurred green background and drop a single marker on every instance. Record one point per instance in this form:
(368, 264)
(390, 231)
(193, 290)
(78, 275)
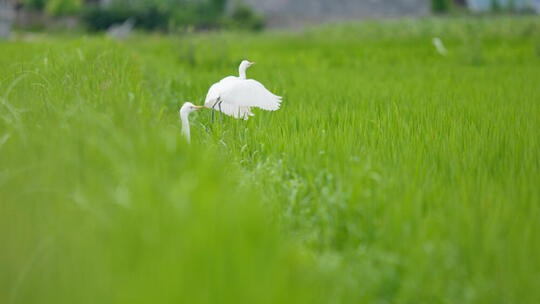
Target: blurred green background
(391, 174)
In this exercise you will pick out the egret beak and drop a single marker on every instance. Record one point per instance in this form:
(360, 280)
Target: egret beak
(198, 107)
(252, 63)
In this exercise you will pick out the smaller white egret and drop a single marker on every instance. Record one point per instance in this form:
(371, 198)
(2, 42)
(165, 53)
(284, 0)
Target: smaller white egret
(186, 109)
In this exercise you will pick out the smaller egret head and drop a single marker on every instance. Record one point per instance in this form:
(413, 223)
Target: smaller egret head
(188, 107)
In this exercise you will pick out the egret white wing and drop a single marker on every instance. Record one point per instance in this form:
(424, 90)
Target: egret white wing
(249, 93)
(239, 112)
(216, 89)
(212, 95)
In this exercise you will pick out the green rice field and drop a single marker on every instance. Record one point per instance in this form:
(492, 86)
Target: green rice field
(391, 173)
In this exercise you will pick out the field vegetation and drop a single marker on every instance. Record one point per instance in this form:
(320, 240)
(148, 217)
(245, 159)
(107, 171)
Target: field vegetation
(391, 174)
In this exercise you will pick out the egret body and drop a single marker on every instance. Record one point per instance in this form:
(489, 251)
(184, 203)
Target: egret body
(235, 96)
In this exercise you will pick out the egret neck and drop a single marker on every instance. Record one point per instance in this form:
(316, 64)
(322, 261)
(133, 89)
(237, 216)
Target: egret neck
(184, 116)
(243, 67)
(186, 109)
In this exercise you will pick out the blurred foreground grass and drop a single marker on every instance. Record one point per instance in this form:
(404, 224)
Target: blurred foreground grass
(391, 174)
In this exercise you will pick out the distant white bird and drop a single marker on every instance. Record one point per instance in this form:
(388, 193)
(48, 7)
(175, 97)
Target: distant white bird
(439, 46)
(186, 109)
(122, 30)
(235, 96)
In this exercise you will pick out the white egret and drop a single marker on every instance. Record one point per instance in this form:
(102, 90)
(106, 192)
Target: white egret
(439, 46)
(121, 30)
(186, 109)
(235, 96)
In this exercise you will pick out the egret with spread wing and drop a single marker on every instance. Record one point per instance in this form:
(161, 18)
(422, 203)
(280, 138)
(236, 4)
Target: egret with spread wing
(235, 96)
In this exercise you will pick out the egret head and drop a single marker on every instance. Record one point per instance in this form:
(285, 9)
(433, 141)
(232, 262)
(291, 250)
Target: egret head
(188, 107)
(243, 67)
(246, 64)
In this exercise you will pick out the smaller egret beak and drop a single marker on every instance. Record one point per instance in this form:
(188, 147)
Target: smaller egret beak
(252, 63)
(198, 107)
